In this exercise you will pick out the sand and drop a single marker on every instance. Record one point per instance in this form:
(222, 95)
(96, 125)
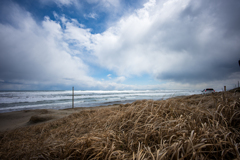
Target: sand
(17, 119)
(24, 118)
(190, 127)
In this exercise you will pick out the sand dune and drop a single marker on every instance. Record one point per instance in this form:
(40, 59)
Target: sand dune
(191, 127)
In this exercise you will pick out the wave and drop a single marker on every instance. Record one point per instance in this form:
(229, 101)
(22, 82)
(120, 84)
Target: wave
(19, 100)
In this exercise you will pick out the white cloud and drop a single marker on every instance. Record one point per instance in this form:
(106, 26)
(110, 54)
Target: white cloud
(91, 15)
(170, 40)
(106, 3)
(127, 48)
(111, 3)
(114, 9)
(109, 76)
(179, 40)
(120, 79)
(35, 56)
(33, 53)
(60, 2)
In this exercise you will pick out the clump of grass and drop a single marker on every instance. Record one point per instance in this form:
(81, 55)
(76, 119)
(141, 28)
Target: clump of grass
(193, 127)
(40, 118)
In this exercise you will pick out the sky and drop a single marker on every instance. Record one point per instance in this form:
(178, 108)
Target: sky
(119, 44)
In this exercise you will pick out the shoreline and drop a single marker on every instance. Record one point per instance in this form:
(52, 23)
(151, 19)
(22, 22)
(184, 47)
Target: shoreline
(185, 124)
(18, 119)
(56, 107)
(24, 118)
(26, 100)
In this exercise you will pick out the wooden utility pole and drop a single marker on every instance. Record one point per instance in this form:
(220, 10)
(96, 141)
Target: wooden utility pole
(224, 88)
(72, 97)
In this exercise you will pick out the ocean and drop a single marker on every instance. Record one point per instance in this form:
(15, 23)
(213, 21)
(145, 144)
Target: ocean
(27, 100)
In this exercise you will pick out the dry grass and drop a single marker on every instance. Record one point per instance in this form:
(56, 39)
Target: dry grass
(40, 118)
(193, 127)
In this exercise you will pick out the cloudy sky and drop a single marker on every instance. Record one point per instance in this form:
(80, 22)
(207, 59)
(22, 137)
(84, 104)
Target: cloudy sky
(119, 44)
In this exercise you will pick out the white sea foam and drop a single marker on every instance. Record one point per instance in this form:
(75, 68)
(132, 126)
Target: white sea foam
(21, 100)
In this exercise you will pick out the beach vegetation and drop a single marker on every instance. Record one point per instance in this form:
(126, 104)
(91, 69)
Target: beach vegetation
(191, 127)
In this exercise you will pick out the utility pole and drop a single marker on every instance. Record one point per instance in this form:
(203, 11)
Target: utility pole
(72, 97)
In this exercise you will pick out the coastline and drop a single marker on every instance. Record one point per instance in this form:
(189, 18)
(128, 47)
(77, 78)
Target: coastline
(18, 119)
(30, 100)
(192, 125)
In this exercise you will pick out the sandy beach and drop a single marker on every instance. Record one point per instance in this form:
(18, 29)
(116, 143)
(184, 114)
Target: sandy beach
(24, 118)
(186, 127)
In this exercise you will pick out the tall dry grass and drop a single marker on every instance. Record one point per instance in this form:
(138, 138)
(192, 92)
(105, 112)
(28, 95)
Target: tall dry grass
(192, 127)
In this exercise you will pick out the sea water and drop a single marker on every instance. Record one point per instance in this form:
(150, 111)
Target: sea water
(27, 100)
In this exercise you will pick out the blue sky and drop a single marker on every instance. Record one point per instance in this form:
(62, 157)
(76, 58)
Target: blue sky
(119, 44)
